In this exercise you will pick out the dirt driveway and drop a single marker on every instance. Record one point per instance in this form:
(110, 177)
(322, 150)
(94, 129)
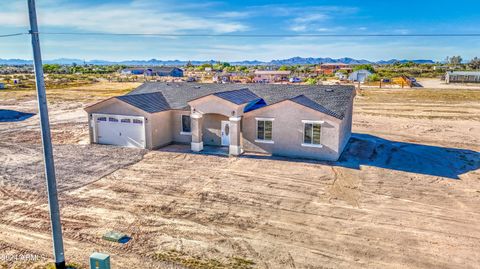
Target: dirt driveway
(406, 194)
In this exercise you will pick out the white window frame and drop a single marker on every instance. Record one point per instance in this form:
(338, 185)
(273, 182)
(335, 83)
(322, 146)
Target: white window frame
(181, 125)
(311, 145)
(256, 131)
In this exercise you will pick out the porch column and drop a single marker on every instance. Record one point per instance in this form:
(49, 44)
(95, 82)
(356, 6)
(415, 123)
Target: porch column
(235, 136)
(196, 127)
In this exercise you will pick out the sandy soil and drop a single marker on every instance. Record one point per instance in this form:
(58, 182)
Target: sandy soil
(436, 83)
(406, 193)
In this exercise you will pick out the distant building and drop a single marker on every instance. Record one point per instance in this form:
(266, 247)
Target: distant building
(133, 71)
(222, 77)
(267, 76)
(2, 86)
(359, 76)
(165, 71)
(462, 77)
(332, 68)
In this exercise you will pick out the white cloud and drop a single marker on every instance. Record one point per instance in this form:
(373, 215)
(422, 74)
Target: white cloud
(317, 17)
(134, 17)
(320, 19)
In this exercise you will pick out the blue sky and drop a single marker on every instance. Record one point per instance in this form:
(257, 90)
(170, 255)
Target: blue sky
(243, 17)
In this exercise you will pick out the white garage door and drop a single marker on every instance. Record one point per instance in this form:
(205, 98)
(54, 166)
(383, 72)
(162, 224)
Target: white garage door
(126, 131)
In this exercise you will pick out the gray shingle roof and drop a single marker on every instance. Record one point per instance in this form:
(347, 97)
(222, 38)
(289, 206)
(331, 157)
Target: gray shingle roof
(149, 102)
(335, 98)
(166, 69)
(238, 97)
(305, 101)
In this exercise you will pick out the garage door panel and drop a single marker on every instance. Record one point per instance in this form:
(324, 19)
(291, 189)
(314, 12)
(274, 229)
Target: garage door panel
(126, 131)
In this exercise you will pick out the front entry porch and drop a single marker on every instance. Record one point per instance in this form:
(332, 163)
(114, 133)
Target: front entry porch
(229, 134)
(230, 106)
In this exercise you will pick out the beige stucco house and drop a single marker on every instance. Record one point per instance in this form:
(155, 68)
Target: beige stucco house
(287, 120)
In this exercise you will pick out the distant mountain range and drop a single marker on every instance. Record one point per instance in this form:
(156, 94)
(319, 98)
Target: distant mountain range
(153, 62)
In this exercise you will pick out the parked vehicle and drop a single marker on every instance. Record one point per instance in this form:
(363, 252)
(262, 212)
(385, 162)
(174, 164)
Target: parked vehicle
(295, 80)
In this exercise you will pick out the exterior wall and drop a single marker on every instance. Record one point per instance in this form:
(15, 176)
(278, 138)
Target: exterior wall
(287, 132)
(212, 133)
(176, 121)
(345, 131)
(160, 129)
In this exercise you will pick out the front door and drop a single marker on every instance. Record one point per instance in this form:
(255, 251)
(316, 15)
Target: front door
(225, 133)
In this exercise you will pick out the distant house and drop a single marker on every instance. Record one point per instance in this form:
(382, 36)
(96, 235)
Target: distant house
(359, 76)
(462, 77)
(165, 71)
(132, 71)
(222, 77)
(332, 68)
(267, 76)
(2, 86)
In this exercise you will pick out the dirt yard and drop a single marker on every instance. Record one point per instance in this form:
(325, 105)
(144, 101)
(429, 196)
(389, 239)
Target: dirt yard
(405, 194)
(436, 83)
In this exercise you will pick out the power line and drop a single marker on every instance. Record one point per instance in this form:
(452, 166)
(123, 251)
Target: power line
(264, 35)
(17, 34)
(249, 35)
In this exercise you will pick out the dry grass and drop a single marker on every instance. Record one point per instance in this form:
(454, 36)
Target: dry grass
(196, 262)
(419, 95)
(78, 93)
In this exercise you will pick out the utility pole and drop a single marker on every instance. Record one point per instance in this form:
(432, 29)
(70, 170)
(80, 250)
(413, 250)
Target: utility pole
(46, 141)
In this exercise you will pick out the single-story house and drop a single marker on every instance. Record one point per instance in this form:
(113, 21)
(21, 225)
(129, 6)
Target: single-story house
(332, 68)
(132, 71)
(306, 121)
(267, 76)
(462, 77)
(165, 71)
(222, 77)
(359, 76)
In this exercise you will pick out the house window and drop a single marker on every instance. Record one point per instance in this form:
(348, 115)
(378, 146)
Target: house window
(186, 129)
(112, 119)
(311, 133)
(264, 130)
(125, 120)
(102, 119)
(137, 121)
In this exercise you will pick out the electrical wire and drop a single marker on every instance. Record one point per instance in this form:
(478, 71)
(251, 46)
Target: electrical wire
(265, 35)
(10, 35)
(249, 35)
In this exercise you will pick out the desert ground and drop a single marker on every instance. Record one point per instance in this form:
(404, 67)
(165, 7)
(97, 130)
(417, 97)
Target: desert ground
(405, 193)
